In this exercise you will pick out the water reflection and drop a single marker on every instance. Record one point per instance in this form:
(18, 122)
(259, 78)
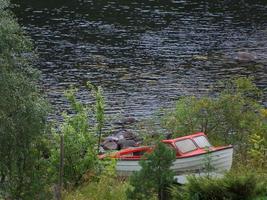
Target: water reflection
(144, 54)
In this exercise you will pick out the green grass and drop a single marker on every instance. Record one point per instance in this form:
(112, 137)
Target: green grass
(107, 188)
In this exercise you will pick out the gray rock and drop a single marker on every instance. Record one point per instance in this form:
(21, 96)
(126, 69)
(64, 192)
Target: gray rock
(125, 134)
(120, 140)
(245, 57)
(109, 145)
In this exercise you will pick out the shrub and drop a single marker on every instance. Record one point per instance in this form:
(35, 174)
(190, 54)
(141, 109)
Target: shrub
(155, 176)
(256, 151)
(80, 150)
(245, 185)
(230, 118)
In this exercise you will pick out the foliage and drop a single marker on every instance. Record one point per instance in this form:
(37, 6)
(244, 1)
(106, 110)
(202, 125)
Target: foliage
(80, 154)
(208, 167)
(232, 117)
(99, 109)
(233, 186)
(22, 115)
(156, 172)
(190, 115)
(257, 150)
(107, 187)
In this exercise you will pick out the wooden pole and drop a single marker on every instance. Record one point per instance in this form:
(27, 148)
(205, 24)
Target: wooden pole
(99, 141)
(61, 167)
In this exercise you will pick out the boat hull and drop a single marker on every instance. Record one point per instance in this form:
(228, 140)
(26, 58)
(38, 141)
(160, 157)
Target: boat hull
(217, 161)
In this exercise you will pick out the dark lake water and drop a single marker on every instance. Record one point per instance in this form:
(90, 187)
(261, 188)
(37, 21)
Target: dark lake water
(145, 54)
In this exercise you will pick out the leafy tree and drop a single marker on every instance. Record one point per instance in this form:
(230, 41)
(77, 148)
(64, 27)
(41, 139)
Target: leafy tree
(99, 109)
(231, 117)
(80, 138)
(22, 115)
(155, 176)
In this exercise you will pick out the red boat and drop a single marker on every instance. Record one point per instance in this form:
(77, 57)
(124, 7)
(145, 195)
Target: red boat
(192, 153)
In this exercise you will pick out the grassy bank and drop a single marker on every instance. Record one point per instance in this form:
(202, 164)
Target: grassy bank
(235, 116)
(33, 152)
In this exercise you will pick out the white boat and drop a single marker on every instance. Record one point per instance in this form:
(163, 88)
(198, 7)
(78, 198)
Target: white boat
(194, 154)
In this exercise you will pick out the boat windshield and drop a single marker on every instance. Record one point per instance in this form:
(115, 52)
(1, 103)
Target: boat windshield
(202, 141)
(185, 145)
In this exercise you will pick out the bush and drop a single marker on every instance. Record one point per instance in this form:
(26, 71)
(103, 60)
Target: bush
(230, 118)
(245, 185)
(80, 139)
(155, 176)
(256, 151)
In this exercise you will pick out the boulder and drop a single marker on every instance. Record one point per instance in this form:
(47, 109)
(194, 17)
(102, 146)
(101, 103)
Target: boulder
(120, 140)
(110, 145)
(245, 57)
(125, 134)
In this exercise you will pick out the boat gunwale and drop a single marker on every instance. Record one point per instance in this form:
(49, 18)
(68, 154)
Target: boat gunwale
(179, 157)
